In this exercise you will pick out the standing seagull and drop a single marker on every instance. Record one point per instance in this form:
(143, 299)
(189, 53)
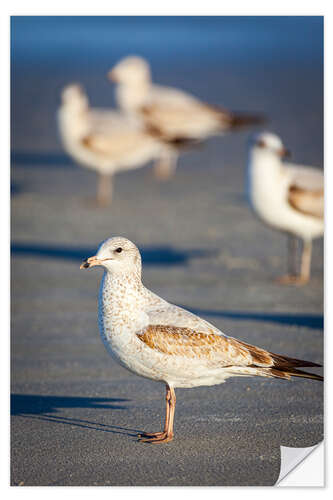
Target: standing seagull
(288, 197)
(163, 342)
(102, 140)
(168, 112)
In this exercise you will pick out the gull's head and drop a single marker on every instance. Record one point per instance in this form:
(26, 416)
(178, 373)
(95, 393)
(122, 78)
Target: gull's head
(117, 255)
(130, 70)
(74, 97)
(269, 143)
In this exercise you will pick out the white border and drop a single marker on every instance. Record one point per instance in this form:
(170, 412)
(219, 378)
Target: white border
(144, 7)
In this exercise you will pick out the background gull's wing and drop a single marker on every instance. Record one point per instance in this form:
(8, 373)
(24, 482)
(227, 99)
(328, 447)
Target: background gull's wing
(122, 145)
(306, 189)
(193, 120)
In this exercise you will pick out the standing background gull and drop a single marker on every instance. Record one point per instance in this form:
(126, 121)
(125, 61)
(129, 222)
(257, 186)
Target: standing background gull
(163, 342)
(103, 140)
(288, 197)
(169, 112)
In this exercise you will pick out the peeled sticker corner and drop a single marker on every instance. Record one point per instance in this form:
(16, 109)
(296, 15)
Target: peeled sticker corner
(292, 457)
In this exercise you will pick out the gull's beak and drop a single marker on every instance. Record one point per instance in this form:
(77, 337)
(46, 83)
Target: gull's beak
(91, 262)
(285, 153)
(112, 76)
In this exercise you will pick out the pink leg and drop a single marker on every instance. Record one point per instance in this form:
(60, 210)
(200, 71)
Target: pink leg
(299, 279)
(167, 434)
(104, 189)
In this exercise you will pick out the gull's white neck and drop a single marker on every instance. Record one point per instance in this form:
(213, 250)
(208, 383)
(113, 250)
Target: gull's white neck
(121, 315)
(132, 96)
(265, 163)
(74, 123)
(265, 171)
(120, 303)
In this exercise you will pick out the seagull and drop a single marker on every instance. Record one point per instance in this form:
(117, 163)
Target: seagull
(103, 140)
(165, 343)
(169, 112)
(287, 197)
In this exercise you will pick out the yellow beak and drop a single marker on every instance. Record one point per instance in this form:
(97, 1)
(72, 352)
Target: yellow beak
(91, 262)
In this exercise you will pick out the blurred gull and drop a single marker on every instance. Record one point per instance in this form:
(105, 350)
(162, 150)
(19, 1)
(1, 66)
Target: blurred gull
(103, 140)
(169, 112)
(165, 343)
(288, 197)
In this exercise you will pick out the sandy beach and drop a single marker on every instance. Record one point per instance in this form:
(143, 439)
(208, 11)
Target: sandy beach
(75, 412)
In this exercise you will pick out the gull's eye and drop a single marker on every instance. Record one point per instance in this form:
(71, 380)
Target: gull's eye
(119, 250)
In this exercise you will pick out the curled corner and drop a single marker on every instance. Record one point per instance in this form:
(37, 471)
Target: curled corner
(291, 458)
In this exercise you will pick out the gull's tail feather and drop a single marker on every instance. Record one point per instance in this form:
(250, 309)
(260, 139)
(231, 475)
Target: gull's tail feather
(177, 142)
(279, 366)
(288, 367)
(282, 362)
(292, 372)
(234, 120)
(183, 142)
(243, 120)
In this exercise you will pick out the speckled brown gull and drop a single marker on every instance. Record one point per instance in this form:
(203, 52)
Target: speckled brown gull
(163, 342)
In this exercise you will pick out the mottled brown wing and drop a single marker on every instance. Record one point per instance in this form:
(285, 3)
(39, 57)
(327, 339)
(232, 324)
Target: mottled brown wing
(225, 352)
(307, 201)
(188, 343)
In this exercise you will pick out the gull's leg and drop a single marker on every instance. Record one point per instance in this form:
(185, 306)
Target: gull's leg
(104, 189)
(158, 434)
(291, 277)
(166, 435)
(304, 276)
(292, 254)
(306, 262)
(172, 414)
(165, 166)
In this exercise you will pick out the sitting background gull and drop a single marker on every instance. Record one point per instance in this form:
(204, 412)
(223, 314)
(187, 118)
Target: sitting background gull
(103, 140)
(288, 197)
(163, 342)
(168, 112)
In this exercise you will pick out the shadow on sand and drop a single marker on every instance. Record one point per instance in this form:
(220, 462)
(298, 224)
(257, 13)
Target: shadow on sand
(151, 256)
(168, 256)
(43, 408)
(30, 159)
(314, 321)
(39, 405)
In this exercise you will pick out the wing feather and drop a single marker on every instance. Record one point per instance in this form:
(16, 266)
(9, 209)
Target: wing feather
(225, 352)
(188, 343)
(116, 143)
(306, 201)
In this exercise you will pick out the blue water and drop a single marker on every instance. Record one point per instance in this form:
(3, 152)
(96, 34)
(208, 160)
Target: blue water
(88, 40)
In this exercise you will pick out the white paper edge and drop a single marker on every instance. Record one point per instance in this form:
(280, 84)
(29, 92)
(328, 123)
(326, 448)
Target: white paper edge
(296, 471)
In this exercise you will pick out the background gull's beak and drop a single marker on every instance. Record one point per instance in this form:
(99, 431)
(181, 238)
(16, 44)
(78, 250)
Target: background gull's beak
(285, 153)
(112, 76)
(90, 262)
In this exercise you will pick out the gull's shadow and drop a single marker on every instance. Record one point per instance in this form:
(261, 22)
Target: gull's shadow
(314, 321)
(168, 256)
(15, 189)
(38, 405)
(151, 256)
(45, 408)
(33, 159)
